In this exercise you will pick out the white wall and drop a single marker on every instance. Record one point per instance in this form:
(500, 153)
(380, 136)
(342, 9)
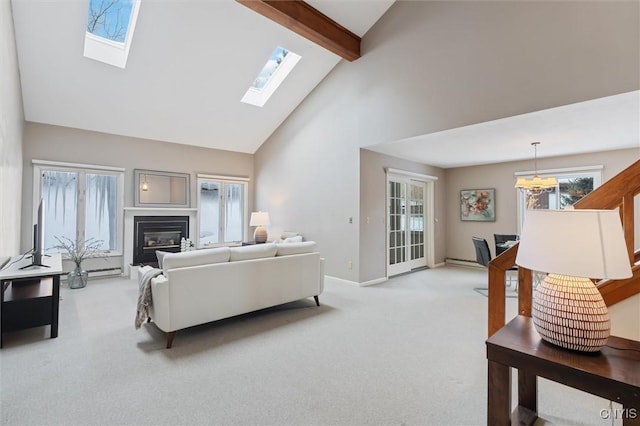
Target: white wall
(625, 318)
(11, 124)
(430, 66)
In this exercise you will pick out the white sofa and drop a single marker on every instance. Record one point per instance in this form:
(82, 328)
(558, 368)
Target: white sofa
(201, 286)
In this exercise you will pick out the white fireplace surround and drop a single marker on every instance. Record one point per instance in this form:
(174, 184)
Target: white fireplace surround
(131, 212)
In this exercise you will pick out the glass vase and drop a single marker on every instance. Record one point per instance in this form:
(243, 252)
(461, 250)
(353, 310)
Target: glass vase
(77, 278)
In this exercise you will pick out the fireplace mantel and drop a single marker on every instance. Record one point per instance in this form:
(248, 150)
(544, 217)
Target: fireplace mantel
(153, 233)
(159, 209)
(130, 212)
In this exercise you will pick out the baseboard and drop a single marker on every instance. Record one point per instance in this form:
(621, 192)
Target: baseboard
(354, 283)
(340, 280)
(373, 282)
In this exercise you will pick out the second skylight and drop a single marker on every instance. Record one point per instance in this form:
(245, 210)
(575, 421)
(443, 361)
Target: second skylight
(278, 66)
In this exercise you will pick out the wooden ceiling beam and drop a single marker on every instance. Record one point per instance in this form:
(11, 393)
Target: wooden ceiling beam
(310, 23)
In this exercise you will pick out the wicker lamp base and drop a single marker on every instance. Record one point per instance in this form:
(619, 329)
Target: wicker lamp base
(570, 312)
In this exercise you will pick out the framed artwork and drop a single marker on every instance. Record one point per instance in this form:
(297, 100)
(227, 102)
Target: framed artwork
(478, 205)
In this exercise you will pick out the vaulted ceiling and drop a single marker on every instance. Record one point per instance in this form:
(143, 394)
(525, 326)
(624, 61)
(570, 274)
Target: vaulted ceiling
(189, 65)
(191, 61)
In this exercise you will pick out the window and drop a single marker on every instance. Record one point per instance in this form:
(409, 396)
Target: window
(222, 211)
(277, 68)
(573, 184)
(110, 26)
(82, 202)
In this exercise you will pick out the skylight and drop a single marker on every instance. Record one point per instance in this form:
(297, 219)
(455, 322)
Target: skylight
(110, 26)
(277, 68)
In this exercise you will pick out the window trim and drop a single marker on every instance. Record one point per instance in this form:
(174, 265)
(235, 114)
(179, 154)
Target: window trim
(109, 51)
(224, 179)
(40, 165)
(595, 171)
(259, 96)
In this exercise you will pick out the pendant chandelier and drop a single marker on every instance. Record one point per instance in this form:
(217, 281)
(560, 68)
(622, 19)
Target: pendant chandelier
(536, 185)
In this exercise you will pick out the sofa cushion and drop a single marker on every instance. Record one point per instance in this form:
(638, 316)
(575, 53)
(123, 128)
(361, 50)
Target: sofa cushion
(296, 248)
(160, 255)
(195, 257)
(289, 237)
(289, 234)
(296, 239)
(256, 251)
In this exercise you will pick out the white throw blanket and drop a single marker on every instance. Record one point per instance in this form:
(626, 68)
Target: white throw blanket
(144, 297)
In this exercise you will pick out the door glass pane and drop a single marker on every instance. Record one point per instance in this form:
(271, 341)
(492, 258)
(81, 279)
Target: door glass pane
(233, 212)
(396, 234)
(406, 224)
(416, 218)
(59, 191)
(100, 212)
(209, 212)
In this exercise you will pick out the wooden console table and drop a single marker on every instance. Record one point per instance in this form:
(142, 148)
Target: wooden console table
(30, 296)
(612, 373)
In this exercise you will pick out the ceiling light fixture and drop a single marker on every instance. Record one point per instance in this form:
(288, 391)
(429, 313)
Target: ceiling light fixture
(536, 185)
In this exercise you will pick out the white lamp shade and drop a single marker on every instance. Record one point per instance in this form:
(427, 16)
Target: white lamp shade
(580, 243)
(259, 219)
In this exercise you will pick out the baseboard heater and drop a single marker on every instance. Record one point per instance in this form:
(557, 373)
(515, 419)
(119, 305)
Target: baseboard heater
(105, 272)
(463, 262)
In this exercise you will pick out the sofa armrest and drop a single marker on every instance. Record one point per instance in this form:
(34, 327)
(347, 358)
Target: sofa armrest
(160, 308)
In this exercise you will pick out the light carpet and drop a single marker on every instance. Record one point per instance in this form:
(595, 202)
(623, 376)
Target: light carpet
(409, 351)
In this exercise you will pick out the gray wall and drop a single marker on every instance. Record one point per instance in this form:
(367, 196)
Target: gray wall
(501, 177)
(430, 66)
(54, 143)
(11, 123)
(373, 204)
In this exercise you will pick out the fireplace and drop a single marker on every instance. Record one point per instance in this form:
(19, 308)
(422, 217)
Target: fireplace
(151, 233)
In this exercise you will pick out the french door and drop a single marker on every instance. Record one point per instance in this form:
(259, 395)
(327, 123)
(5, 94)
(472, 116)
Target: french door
(406, 242)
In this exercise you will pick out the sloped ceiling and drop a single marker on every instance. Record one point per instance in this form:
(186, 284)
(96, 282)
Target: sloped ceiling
(190, 63)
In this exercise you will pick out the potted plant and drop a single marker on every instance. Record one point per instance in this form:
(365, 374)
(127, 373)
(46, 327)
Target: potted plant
(78, 253)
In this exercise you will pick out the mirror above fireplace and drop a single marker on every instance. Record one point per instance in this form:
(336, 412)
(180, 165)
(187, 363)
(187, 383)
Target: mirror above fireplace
(161, 189)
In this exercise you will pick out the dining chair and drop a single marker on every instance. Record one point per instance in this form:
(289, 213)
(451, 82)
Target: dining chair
(483, 257)
(501, 239)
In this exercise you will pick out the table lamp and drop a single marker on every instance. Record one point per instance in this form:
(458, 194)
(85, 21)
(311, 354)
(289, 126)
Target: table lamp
(573, 246)
(260, 220)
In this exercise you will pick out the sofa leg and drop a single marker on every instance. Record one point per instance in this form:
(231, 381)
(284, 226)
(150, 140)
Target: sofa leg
(317, 300)
(170, 337)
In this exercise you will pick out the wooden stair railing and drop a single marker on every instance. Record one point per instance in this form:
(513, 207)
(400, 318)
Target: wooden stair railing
(617, 192)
